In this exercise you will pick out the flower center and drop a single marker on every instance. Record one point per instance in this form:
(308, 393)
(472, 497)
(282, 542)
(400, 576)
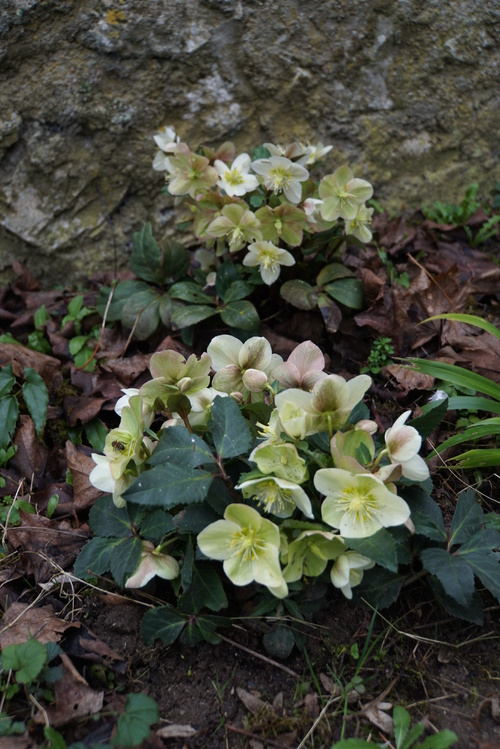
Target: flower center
(246, 544)
(272, 497)
(358, 503)
(233, 177)
(268, 260)
(280, 178)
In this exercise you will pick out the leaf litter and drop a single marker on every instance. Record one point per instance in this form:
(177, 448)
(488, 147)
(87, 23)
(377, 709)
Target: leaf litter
(419, 269)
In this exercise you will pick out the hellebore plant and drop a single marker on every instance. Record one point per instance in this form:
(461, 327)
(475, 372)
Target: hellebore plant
(273, 469)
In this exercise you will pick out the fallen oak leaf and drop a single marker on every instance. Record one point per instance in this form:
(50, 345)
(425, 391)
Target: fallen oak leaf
(20, 622)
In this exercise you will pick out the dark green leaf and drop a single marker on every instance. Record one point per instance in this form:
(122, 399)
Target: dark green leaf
(95, 557)
(133, 726)
(454, 573)
(229, 429)
(381, 547)
(426, 515)
(108, 520)
(162, 622)
(125, 559)
(473, 403)
(208, 625)
(205, 591)
(191, 314)
(380, 587)
(300, 294)
(55, 739)
(237, 290)
(226, 276)
(187, 566)
(9, 412)
(468, 517)
(433, 414)
(190, 292)
(96, 432)
(122, 292)
(484, 562)
(242, 315)
(26, 659)
(155, 525)
(472, 612)
(146, 258)
(175, 260)
(165, 309)
(178, 445)
(332, 272)
(279, 641)
(7, 380)
(219, 496)
(347, 291)
(169, 485)
(36, 397)
(196, 517)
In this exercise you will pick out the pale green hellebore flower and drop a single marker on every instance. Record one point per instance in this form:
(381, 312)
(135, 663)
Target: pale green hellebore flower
(152, 563)
(309, 553)
(403, 444)
(347, 571)
(127, 441)
(236, 179)
(277, 496)
(342, 194)
(190, 173)
(282, 175)
(269, 259)
(237, 225)
(285, 222)
(242, 367)
(248, 545)
(172, 373)
(358, 504)
(281, 460)
(358, 226)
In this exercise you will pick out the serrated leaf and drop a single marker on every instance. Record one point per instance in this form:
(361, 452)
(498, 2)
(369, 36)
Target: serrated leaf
(146, 258)
(155, 525)
(472, 612)
(108, 520)
(484, 562)
(141, 312)
(208, 626)
(194, 518)
(426, 515)
(205, 591)
(300, 294)
(95, 557)
(175, 259)
(380, 587)
(7, 380)
(432, 416)
(241, 314)
(190, 314)
(229, 429)
(180, 446)
(133, 726)
(381, 547)
(169, 485)
(36, 397)
(468, 518)
(26, 659)
(163, 623)
(9, 412)
(188, 291)
(347, 291)
(125, 559)
(454, 573)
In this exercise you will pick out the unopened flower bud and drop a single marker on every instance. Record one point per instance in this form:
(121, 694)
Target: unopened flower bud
(238, 397)
(184, 384)
(367, 425)
(255, 380)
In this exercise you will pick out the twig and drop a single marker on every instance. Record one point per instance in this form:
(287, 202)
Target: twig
(103, 326)
(431, 277)
(261, 657)
(318, 719)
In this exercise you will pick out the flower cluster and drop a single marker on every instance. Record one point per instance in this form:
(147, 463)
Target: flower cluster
(262, 205)
(313, 481)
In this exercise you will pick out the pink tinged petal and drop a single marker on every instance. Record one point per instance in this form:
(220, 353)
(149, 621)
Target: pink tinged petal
(307, 357)
(215, 540)
(254, 380)
(287, 375)
(228, 379)
(224, 350)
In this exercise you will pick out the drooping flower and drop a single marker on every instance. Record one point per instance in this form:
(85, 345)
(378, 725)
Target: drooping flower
(248, 545)
(269, 259)
(172, 373)
(403, 444)
(303, 368)
(309, 553)
(348, 569)
(242, 367)
(237, 224)
(282, 175)
(201, 405)
(342, 194)
(285, 222)
(277, 496)
(282, 460)
(166, 140)
(297, 152)
(358, 226)
(316, 153)
(127, 442)
(311, 206)
(358, 504)
(236, 179)
(152, 562)
(102, 478)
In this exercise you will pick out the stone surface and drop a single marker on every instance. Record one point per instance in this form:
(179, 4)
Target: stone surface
(407, 92)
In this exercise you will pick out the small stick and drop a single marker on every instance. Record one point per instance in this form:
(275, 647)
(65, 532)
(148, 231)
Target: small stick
(261, 657)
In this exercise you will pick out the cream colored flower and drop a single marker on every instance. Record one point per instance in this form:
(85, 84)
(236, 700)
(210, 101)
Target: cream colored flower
(282, 175)
(269, 259)
(347, 571)
(358, 226)
(403, 444)
(236, 179)
(342, 194)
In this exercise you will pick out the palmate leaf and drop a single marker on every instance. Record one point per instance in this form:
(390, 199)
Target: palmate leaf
(229, 429)
(205, 591)
(381, 547)
(457, 376)
(142, 313)
(380, 587)
(472, 612)
(188, 291)
(169, 485)
(125, 559)
(453, 572)
(468, 518)
(146, 259)
(163, 623)
(108, 520)
(133, 726)
(478, 552)
(100, 555)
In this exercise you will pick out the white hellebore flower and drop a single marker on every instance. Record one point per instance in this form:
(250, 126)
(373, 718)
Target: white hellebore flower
(358, 504)
(166, 140)
(282, 175)
(402, 445)
(151, 563)
(277, 496)
(242, 367)
(347, 571)
(269, 258)
(236, 180)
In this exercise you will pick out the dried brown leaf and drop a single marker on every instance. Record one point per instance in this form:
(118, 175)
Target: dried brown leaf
(252, 703)
(80, 465)
(31, 455)
(47, 367)
(20, 622)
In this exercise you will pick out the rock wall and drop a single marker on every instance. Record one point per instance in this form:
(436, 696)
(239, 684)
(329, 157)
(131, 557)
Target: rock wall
(406, 90)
